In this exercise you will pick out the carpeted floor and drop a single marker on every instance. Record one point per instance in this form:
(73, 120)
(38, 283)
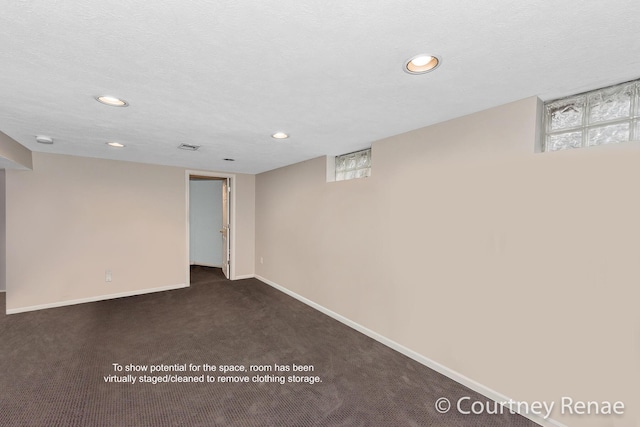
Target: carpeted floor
(56, 363)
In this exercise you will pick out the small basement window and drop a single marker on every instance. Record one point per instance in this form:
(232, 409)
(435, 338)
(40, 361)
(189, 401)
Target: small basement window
(604, 116)
(353, 165)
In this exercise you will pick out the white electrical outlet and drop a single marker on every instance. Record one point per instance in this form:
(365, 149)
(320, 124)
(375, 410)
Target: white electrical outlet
(261, 260)
(107, 275)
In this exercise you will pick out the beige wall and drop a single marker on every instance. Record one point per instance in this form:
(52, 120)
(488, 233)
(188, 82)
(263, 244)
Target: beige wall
(245, 227)
(516, 269)
(71, 218)
(13, 155)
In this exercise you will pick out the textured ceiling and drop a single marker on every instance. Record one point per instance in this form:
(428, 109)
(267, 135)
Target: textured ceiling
(228, 74)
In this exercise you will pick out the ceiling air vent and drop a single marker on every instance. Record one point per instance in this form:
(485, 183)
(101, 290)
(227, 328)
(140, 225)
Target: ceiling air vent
(189, 147)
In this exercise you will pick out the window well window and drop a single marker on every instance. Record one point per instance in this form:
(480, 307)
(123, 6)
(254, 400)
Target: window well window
(604, 116)
(353, 165)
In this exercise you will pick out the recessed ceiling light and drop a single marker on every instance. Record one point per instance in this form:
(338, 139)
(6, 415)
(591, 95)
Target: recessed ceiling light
(42, 139)
(113, 101)
(229, 160)
(115, 144)
(421, 64)
(280, 135)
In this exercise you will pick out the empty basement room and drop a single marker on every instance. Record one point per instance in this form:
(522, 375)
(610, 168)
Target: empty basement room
(408, 213)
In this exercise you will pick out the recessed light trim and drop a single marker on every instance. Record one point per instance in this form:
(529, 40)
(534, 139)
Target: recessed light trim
(43, 139)
(280, 135)
(115, 145)
(422, 63)
(112, 101)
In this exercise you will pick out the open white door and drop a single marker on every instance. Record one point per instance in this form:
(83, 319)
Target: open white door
(226, 227)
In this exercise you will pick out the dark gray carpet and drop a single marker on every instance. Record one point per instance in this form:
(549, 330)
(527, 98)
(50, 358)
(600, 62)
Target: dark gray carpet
(54, 362)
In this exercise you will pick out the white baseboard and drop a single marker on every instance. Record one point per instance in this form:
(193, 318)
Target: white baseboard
(244, 276)
(96, 298)
(450, 373)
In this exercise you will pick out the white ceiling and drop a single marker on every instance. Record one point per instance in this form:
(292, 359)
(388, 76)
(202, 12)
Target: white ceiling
(227, 74)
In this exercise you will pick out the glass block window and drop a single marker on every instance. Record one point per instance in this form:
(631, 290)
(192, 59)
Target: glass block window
(604, 116)
(353, 165)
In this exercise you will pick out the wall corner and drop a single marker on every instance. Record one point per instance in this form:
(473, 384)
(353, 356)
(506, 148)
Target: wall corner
(539, 130)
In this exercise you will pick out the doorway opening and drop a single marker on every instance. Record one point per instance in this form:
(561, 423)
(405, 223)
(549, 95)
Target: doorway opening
(210, 221)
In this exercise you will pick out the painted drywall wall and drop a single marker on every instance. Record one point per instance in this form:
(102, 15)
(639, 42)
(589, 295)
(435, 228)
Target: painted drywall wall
(72, 218)
(205, 222)
(245, 210)
(14, 155)
(3, 228)
(514, 268)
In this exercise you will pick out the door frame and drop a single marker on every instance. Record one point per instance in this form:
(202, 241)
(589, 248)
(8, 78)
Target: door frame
(226, 227)
(232, 218)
